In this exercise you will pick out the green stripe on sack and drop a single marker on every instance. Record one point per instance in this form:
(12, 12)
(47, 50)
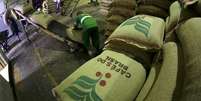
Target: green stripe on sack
(142, 29)
(144, 22)
(95, 96)
(74, 93)
(139, 24)
(84, 84)
(83, 89)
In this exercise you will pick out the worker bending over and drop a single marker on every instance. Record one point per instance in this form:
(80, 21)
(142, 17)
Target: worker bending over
(90, 31)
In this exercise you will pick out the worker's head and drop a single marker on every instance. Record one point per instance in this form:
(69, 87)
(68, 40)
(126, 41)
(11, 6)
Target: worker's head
(79, 12)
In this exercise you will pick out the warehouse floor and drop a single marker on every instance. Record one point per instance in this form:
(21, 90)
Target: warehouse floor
(42, 63)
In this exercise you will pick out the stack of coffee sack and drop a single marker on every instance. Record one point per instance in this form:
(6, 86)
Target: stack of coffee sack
(158, 8)
(137, 37)
(177, 16)
(120, 10)
(105, 6)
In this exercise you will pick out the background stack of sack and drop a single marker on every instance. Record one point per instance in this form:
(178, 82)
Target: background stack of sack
(105, 6)
(177, 16)
(51, 6)
(183, 27)
(120, 10)
(158, 8)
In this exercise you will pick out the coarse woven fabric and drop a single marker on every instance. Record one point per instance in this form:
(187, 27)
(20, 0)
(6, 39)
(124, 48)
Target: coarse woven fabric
(151, 10)
(126, 13)
(108, 33)
(165, 84)
(163, 4)
(111, 27)
(116, 19)
(178, 15)
(130, 4)
(143, 31)
(144, 57)
(152, 76)
(189, 36)
(99, 80)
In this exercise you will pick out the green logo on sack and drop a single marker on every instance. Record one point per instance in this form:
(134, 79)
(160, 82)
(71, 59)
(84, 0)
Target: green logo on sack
(140, 25)
(83, 89)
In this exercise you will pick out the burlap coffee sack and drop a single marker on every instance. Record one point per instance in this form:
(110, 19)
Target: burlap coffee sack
(151, 10)
(111, 27)
(104, 12)
(163, 4)
(126, 13)
(115, 19)
(143, 31)
(108, 33)
(177, 15)
(165, 84)
(189, 36)
(104, 78)
(170, 36)
(129, 4)
(152, 76)
(131, 51)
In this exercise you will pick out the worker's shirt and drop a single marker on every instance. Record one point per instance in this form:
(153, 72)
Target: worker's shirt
(86, 21)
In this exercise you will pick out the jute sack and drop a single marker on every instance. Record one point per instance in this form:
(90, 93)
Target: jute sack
(127, 13)
(105, 1)
(105, 8)
(152, 10)
(177, 16)
(153, 74)
(104, 12)
(165, 84)
(104, 78)
(74, 35)
(133, 52)
(163, 4)
(116, 19)
(142, 31)
(170, 36)
(41, 19)
(111, 27)
(189, 36)
(129, 4)
(108, 33)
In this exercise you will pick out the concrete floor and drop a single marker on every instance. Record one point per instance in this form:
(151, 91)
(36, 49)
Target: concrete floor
(43, 63)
